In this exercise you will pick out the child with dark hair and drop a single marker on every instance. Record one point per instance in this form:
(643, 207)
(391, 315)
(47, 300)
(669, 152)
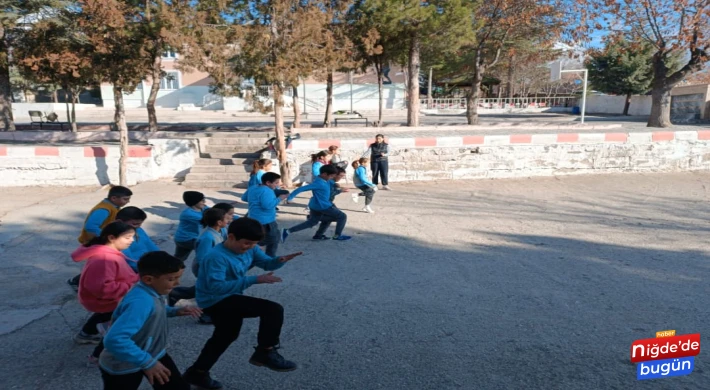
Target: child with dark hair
(220, 293)
(261, 167)
(99, 216)
(262, 207)
(137, 340)
(379, 152)
(317, 161)
(229, 209)
(105, 279)
(360, 180)
(321, 208)
(335, 188)
(189, 226)
(142, 243)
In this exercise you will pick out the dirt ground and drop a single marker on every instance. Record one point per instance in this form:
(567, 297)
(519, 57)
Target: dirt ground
(491, 284)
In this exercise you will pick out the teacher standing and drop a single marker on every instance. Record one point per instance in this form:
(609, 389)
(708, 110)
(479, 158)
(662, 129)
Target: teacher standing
(379, 151)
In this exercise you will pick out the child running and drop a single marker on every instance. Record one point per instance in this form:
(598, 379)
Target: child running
(262, 207)
(318, 160)
(101, 215)
(220, 293)
(335, 188)
(321, 209)
(105, 279)
(259, 168)
(367, 187)
(231, 216)
(189, 226)
(142, 244)
(136, 342)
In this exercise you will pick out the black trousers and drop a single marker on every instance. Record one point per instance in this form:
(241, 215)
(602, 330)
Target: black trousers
(228, 315)
(368, 192)
(90, 328)
(133, 381)
(380, 168)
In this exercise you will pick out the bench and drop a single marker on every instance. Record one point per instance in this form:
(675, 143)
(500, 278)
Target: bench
(367, 123)
(38, 118)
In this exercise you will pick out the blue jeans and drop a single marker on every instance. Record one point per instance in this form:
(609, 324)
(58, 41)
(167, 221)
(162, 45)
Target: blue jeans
(272, 236)
(325, 218)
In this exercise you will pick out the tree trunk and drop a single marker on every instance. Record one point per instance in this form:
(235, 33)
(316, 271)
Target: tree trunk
(430, 97)
(413, 91)
(660, 107)
(329, 101)
(511, 75)
(120, 121)
(67, 102)
(5, 91)
(74, 100)
(475, 94)
(281, 137)
(296, 108)
(55, 98)
(628, 103)
(381, 97)
(154, 88)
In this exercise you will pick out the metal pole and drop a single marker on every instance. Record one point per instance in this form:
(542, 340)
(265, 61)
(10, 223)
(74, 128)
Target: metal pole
(351, 91)
(584, 95)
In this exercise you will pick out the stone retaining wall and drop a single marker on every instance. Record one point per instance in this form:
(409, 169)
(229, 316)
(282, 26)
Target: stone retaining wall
(29, 165)
(524, 155)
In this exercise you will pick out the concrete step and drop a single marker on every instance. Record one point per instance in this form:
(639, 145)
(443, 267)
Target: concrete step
(230, 156)
(232, 149)
(245, 168)
(224, 176)
(243, 134)
(212, 184)
(255, 142)
(226, 161)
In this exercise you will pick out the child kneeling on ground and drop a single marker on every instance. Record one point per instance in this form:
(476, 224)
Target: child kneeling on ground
(220, 292)
(135, 343)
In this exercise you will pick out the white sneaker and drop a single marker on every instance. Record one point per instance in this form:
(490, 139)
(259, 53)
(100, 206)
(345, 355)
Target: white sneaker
(367, 209)
(356, 198)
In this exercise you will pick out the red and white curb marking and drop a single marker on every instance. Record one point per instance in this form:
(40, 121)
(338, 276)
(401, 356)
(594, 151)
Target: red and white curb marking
(72, 151)
(513, 139)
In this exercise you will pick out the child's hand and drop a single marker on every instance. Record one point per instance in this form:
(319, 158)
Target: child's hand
(194, 312)
(267, 278)
(158, 373)
(284, 259)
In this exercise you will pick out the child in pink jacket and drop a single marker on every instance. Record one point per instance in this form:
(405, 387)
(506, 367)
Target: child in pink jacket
(105, 279)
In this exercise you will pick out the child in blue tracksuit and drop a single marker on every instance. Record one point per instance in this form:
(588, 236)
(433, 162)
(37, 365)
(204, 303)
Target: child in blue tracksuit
(318, 160)
(321, 208)
(189, 226)
(262, 207)
(363, 184)
(220, 292)
(231, 216)
(142, 244)
(135, 344)
(335, 188)
(260, 167)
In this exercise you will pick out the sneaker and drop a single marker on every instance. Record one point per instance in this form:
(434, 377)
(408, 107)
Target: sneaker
(73, 283)
(201, 381)
(270, 358)
(321, 237)
(386, 188)
(83, 338)
(356, 198)
(205, 320)
(284, 235)
(367, 209)
(103, 328)
(341, 238)
(92, 361)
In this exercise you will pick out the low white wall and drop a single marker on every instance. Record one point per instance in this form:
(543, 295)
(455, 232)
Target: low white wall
(22, 110)
(607, 104)
(94, 165)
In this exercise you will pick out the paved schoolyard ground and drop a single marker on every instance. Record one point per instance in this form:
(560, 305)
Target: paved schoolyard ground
(490, 284)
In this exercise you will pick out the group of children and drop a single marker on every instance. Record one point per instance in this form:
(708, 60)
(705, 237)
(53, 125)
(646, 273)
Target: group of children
(130, 286)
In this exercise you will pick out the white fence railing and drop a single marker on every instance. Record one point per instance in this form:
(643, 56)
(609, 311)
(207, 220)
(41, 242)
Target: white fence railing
(502, 103)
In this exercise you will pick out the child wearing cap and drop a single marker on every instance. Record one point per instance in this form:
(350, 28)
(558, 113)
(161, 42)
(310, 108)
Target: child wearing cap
(189, 226)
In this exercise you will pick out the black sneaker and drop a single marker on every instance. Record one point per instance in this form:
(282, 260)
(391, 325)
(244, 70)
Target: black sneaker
(270, 358)
(321, 237)
(73, 283)
(202, 381)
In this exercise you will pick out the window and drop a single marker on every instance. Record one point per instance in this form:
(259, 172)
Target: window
(169, 54)
(170, 81)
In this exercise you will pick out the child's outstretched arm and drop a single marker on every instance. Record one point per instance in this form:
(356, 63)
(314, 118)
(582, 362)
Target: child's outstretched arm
(268, 263)
(308, 187)
(215, 270)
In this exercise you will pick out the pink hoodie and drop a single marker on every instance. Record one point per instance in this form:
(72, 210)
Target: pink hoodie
(105, 279)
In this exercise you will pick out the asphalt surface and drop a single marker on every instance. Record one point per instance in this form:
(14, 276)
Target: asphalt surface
(491, 284)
